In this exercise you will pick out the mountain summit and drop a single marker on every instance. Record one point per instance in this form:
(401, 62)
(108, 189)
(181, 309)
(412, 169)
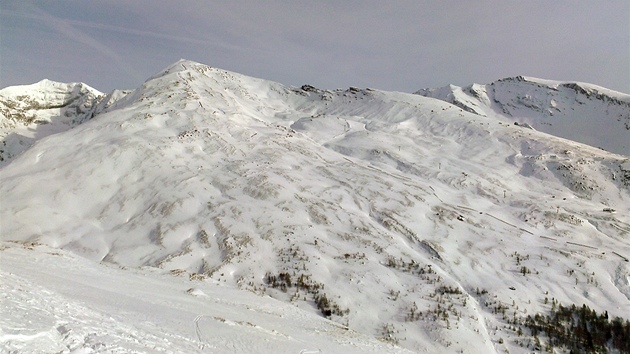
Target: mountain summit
(397, 216)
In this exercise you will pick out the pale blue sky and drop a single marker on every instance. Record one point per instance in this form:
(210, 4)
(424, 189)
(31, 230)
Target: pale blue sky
(389, 45)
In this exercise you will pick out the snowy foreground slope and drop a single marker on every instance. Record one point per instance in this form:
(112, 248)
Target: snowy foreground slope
(577, 111)
(55, 302)
(403, 218)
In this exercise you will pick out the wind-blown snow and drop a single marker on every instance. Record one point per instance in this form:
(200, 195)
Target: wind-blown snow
(386, 204)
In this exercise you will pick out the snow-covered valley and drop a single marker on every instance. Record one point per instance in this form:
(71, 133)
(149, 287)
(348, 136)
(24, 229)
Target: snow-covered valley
(217, 212)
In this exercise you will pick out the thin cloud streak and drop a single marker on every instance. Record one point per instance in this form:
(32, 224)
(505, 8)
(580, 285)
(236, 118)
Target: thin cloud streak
(66, 28)
(64, 23)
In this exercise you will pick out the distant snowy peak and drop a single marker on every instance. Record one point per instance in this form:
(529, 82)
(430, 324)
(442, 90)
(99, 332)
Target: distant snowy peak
(31, 112)
(44, 95)
(582, 112)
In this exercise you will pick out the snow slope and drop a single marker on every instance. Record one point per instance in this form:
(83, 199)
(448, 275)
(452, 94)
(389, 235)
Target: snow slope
(578, 111)
(402, 217)
(56, 302)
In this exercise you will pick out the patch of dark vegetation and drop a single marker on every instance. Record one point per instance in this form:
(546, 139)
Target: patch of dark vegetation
(284, 282)
(581, 329)
(448, 290)
(412, 266)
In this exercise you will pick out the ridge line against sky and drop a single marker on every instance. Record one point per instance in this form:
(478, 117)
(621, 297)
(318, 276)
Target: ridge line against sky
(395, 45)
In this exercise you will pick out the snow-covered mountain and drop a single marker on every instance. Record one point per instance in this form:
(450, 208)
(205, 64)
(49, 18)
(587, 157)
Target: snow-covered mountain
(31, 112)
(577, 111)
(397, 216)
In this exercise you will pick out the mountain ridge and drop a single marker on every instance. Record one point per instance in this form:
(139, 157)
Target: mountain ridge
(549, 106)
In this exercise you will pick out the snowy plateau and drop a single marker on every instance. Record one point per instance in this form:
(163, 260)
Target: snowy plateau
(211, 212)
